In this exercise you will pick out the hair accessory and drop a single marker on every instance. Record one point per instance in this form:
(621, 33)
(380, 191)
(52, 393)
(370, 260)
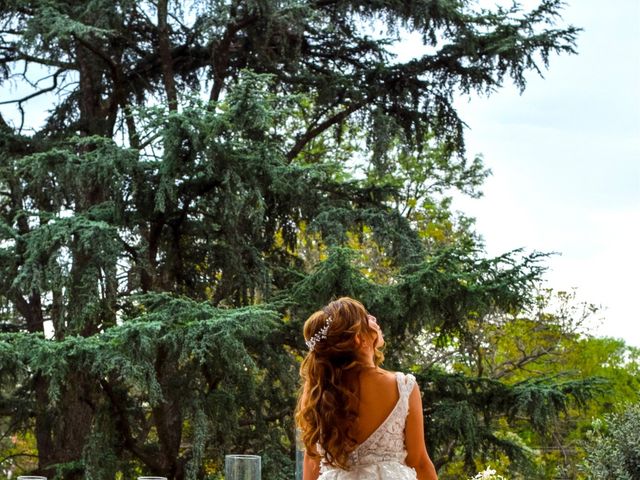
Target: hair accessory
(319, 335)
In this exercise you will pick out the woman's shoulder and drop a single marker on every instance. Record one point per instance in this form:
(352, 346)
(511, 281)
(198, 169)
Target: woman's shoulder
(377, 377)
(405, 381)
(388, 377)
(406, 377)
(400, 376)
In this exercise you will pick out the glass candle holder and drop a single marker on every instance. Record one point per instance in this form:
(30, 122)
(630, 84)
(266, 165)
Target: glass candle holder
(242, 467)
(299, 454)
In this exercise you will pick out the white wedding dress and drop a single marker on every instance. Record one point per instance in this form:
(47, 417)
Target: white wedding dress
(382, 455)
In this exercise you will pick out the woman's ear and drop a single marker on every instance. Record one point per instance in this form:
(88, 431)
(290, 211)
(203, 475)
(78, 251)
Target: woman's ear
(358, 340)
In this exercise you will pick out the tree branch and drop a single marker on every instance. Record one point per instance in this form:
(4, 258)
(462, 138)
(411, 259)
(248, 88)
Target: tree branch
(312, 133)
(221, 55)
(20, 101)
(125, 429)
(97, 52)
(21, 56)
(164, 49)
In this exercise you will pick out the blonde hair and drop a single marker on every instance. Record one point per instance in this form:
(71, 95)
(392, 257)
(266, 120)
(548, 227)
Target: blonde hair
(328, 403)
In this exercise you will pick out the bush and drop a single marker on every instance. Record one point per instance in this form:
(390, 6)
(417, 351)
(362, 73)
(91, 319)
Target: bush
(613, 450)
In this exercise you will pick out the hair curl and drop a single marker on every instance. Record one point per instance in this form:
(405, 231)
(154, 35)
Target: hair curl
(328, 402)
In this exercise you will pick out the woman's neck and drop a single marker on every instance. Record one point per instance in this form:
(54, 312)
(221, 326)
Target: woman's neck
(365, 358)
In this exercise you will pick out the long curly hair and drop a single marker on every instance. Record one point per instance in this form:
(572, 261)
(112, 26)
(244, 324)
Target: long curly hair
(328, 402)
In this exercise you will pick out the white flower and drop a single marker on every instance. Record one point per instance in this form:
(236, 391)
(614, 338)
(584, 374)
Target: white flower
(488, 474)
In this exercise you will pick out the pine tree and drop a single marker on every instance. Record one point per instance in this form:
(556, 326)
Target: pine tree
(190, 198)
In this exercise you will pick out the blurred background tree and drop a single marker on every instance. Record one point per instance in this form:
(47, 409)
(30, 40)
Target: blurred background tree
(208, 174)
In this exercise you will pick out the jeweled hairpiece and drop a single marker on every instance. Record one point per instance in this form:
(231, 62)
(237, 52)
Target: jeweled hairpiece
(319, 335)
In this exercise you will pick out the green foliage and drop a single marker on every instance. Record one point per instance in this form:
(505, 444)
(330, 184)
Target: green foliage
(213, 367)
(613, 446)
(156, 264)
(556, 379)
(468, 415)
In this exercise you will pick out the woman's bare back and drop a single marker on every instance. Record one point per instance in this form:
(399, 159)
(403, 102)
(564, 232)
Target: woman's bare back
(378, 397)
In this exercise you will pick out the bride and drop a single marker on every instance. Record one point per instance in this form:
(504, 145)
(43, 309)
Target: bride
(358, 421)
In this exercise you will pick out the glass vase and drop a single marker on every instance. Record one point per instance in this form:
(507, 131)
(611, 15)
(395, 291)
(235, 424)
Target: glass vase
(242, 467)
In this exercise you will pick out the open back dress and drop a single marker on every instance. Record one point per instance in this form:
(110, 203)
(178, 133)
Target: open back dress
(382, 455)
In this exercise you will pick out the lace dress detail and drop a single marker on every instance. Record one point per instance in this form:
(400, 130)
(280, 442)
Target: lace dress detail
(382, 455)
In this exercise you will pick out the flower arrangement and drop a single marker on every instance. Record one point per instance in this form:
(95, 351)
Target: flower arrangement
(488, 474)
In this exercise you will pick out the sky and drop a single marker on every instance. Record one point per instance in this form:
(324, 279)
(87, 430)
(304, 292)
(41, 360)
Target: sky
(565, 157)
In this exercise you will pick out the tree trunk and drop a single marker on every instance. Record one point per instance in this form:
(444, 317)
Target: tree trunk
(167, 416)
